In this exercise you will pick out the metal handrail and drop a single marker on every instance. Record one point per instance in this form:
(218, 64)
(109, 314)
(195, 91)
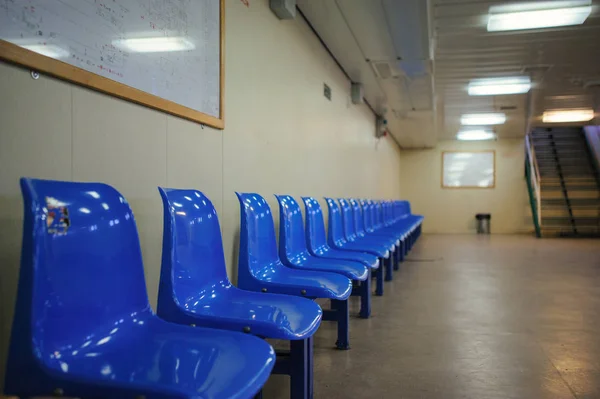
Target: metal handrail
(534, 177)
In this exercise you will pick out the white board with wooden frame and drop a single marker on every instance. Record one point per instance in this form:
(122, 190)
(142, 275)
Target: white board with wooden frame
(165, 54)
(468, 169)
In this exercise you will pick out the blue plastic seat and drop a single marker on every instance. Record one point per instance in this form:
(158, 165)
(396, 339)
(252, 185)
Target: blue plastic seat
(350, 230)
(317, 240)
(83, 326)
(293, 250)
(194, 287)
(363, 223)
(260, 269)
(404, 217)
(294, 253)
(382, 249)
(393, 217)
(336, 240)
(359, 227)
(396, 220)
(368, 217)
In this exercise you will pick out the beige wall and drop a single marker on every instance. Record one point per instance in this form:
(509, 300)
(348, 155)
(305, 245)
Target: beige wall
(282, 136)
(453, 210)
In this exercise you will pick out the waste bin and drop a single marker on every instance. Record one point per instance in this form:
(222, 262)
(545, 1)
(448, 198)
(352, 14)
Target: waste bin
(483, 223)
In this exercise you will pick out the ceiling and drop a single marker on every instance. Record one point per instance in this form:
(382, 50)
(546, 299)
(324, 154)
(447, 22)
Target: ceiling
(379, 41)
(559, 62)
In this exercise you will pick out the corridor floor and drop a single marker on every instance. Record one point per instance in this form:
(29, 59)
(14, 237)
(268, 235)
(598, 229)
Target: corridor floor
(473, 317)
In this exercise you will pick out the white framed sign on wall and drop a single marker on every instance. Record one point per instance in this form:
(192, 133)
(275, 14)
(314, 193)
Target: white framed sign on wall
(468, 169)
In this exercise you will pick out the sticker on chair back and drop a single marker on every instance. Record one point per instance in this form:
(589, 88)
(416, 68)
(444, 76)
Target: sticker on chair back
(57, 220)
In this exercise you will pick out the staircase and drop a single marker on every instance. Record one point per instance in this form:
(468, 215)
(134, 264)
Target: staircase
(569, 183)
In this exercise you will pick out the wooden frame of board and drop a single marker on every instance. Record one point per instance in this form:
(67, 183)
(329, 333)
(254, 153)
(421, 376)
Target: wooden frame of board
(467, 187)
(18, 55)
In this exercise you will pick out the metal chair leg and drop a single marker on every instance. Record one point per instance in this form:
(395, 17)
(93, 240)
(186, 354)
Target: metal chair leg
(343, 326)
(379, 275)
(389, 268)
(299, 374)
(365, 298)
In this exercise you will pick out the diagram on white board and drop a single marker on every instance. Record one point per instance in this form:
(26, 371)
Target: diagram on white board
(168, 48)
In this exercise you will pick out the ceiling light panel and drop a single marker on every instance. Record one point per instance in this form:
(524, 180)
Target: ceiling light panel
(499, 86)
(538, 15)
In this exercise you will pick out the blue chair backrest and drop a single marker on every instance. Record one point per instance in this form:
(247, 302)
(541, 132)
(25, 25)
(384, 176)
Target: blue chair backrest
(395, 209)
(315, 224)
(348, 219)
(359, 223)
(335, 236)
(258, 246)
(81, 268)
(367, 215)
(377, 214)
(193, 260)
(387, 215)
(292, 239)
(406, 207)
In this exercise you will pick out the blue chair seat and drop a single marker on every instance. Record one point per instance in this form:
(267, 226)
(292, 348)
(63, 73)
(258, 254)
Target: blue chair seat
(281, 279)
(352, 241)
(374, 249)
(293, 250)
(83, 326)
(317, 241)
(360, 228)
(352, 269)
(194, 286)
(366, 259)
(261, 269)
(268, 315)
(159, 360)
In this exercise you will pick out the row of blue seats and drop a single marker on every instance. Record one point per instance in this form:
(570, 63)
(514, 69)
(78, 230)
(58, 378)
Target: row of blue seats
(83, 325)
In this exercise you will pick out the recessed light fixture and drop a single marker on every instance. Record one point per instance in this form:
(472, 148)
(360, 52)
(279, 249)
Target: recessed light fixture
(154, 44)
(568, 115)
(499, 86)
(483, 119)
(537, 15)
(475, 135)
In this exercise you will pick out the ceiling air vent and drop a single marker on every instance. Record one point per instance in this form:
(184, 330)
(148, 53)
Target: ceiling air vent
(536, 71)
(508, 108)
(384, 69)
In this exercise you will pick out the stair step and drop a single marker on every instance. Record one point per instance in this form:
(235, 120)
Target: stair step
(548, 151)
(556, 131)
(578, 214)
(582, 232)
(578, 141)
(562, 221)
(575, 202)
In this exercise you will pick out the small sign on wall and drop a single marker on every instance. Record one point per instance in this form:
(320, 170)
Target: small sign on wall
(327, 91)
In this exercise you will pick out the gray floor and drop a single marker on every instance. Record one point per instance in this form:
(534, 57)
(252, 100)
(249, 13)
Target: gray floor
(473, 317)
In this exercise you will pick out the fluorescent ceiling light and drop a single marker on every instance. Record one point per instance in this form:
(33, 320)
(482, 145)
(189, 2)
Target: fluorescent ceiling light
(49, 50)
(483, 119)
(499, 86)
(154, 44)
(472, 135)
(536, 15)
(568, 115)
